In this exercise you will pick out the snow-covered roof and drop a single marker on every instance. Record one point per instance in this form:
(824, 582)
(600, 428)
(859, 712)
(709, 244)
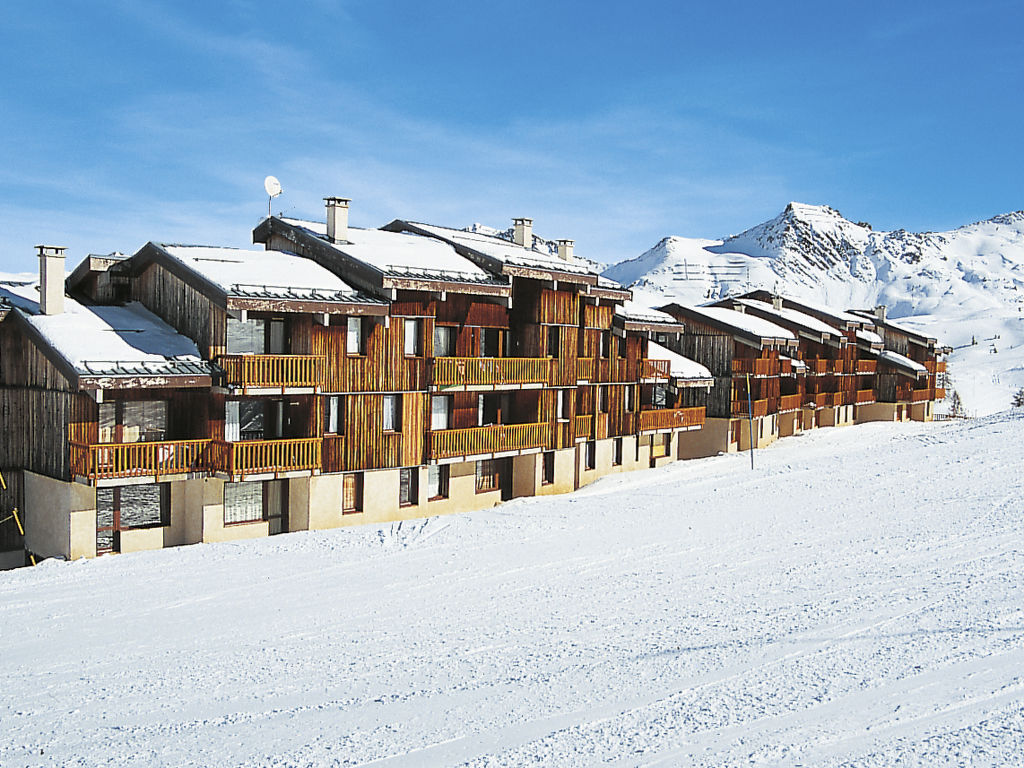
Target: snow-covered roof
(679, 367)
(834, 315)
(509, 253)
(797, 363)
(900, 361)
(742, 321)
(250, 271)
(630, 310)
(900, 328)
(124, 340)
(402, 254)
(868, 336)
(802, 319)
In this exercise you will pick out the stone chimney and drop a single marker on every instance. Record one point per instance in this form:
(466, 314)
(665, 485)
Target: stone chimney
(777, 302)
(51, 279)
(565, 249)
(880, 313)
(337, 219)
(522, 232)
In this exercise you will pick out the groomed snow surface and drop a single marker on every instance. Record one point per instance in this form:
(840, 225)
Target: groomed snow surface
(853, 601)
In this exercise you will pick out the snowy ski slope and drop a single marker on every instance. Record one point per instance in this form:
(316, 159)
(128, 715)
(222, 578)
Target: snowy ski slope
(853, 601)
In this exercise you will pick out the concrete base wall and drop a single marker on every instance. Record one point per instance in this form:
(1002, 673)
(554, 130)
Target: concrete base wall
(765, 432)
(565, 473)
(879, 412)
(60, 518)
(837, 416)
(922, 411)
(712, 439)
(791, 423)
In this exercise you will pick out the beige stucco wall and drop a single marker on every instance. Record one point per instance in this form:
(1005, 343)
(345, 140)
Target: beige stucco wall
(837, 416)
(139, 539)
(922, 411)
(565, 473)
(526, 474)
(810, 418)
(765, 429)
(876, 412)
(60, 517)
(709, 440)
(790, 423)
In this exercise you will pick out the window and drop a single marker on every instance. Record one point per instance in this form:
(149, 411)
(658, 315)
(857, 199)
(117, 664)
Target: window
(565, 403)
(660, 396)
(617, 452)
(246, 338)
(488, 475)
(243, 502)
(277, 337)
(413, 334)
(444, 341)
(440, 412)
(130, 506)
(602, 399)
(660, 445)
(590, 454)
(548, 472)
(355, 343)
(622, 346)
(133, 421)
(554, 347)
(490, 343)
(351, 494)
(408, 487)
(629, 398)
(606, 347)
(437, 481)
(333, 422)
(392, 405)
(244, 420)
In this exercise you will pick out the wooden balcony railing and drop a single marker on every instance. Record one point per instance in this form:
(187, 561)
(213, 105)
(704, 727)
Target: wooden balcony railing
(272, 371)
(920, 395)
(446, 443)
(841, 366)
(755, 366)
(865, 396)
(585, 369)
(791, 402)
(740, 407)
(671, 418)
(817, 366)
(940, 393)
(822, 400)
(490, 371)
(785, 367)
(257, 457)
(867, 366)
(655, 369)
(126, 460)
(584, 426)
(940, 366)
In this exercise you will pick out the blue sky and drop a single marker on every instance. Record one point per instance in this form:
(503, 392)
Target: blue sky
(612, 123)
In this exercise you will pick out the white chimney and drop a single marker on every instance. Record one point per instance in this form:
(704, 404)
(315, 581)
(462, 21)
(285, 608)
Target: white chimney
(337, 219)
(777, 302)
(880, 313)
(51, 279)
(522, 232)
(565, 249)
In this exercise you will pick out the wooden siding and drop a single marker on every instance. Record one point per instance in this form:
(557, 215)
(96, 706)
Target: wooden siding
(183, 308)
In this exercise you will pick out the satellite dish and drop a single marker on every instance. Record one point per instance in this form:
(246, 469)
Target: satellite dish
(272, 185)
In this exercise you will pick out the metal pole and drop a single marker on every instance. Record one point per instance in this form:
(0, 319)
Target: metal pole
(750, 422)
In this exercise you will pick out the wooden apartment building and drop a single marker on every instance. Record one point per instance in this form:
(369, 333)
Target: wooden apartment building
(339, 376)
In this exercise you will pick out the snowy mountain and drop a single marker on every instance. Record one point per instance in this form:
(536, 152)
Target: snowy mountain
(962, 285)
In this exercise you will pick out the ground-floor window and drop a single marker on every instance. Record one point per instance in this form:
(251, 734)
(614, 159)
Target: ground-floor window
(548, 473)
(408, 487)
(617, 452)
(351, 494)
(129, 506)
(488, 477)
(437, 481)
(660, 445)
(590, 451)
(243, 502)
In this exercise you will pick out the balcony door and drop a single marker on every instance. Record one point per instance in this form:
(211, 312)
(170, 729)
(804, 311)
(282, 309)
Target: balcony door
(133, 421)
(440, 412)
(494, 408)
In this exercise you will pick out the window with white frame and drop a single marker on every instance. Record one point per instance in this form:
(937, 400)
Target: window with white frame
(392, 408)
(413, 336)
(437, 481)
(352, 493)
(441, 412)
(444, 341)
(355, 341)
(408, 487)
(333, 421)
(243, 502)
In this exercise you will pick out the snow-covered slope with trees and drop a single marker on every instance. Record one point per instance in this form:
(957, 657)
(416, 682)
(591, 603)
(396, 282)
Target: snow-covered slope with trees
(962, 285)
(853, 601)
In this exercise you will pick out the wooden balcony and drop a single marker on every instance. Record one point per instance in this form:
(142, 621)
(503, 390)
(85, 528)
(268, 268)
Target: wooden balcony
(741, 366)
(920, 395)
(867, 366)
(258, 374)
(584, 426)
(242, 459)
(479, 441)
(940, 366)
(740, 408)
(818, 366)
(791, 402)
(865, 396)
(655, 369)
(585, 368)
(786, 367)
(671, 418)
(822, 400)
(940, 393)
(489, 372)
(153, 461)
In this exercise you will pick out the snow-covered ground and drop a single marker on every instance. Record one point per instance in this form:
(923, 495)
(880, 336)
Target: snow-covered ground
(854, 600)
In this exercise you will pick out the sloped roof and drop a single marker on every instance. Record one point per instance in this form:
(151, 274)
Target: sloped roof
(905, 364)
(801, 320)
(680, 367)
